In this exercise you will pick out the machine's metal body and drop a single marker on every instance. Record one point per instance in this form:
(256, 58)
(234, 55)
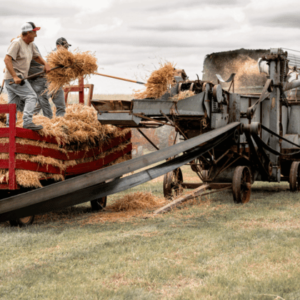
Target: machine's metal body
(267, 140)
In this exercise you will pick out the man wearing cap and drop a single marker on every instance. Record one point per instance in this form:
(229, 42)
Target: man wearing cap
(40, 85)
(17, 61)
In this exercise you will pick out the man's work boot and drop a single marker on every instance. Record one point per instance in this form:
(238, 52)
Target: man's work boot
(33, 126)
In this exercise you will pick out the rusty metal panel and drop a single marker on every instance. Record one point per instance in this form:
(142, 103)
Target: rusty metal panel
(284, 119)
(124, 119)
(244, 104)
(191, 106)
(218, 120)
(234, 108)
(291, 137)
(265, 119)
(294, 120)
(151, 107)
(108, 105)
(256, 116)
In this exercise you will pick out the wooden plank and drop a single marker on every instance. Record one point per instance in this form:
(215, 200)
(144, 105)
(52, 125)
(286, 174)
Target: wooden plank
(32, 166)
(12, 146)
(4, 108)
(196, 192)
(98, 164)
(4, 132)
(4, 164)
(34, 150)
(188, 185)
(32, 135)
(4, 186)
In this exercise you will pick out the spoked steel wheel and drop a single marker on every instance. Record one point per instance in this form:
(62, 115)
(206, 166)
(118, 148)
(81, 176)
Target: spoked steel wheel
(173, 184)
(22, 222)
(241, 184)
(99, 204)
(294, 178)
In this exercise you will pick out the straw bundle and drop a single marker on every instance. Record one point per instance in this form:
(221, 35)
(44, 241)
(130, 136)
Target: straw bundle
(135, 201)
(183, 95)
(158, 83)
(75, 64)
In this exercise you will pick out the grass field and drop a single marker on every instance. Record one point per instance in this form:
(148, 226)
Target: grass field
(208, 249)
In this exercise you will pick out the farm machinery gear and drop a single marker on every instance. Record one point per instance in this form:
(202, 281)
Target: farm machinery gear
(264, 147)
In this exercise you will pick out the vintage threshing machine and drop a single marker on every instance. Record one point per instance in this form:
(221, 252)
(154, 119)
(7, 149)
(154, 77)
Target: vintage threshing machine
(233, 132)
(260, 123)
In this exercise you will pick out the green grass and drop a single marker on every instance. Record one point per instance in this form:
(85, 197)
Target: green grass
(213, 249)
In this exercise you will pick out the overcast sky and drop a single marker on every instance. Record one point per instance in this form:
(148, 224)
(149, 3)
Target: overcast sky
(131, 37)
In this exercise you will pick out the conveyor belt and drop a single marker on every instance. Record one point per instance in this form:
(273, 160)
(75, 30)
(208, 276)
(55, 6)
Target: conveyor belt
(90, 186)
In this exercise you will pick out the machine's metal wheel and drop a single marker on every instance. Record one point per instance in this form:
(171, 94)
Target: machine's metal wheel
(241, 184)
(173, 183)
(22, 222)
(294, 177)
(99, 204)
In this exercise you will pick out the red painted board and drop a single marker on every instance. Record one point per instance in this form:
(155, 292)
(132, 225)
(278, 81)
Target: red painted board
(4, 187)
(32, 135)
(12, 146)
(4, 163)
(35, 150)
(95, 165)
(4, 108)
(4, 132)
(32, 166)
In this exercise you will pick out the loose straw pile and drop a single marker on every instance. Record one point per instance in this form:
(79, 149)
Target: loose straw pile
(158, 83)
(76, 64)
(78, 130)
(136, 201)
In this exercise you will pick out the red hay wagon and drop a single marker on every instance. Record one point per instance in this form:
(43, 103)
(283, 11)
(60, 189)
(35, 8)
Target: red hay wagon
(12, 164)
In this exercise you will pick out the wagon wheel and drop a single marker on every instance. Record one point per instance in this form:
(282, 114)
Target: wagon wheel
(22, 222)
(294, 178)
(99, 204)
(173, 183)
(241, 184)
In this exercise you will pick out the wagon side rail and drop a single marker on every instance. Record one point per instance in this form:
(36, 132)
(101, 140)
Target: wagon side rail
(10, 132)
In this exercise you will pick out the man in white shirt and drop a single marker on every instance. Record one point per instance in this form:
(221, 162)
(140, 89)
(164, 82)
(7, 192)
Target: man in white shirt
(17, 60)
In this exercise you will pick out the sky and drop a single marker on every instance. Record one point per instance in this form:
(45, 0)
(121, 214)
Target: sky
(130, 38)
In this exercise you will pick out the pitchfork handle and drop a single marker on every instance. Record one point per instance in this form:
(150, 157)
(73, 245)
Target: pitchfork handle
(37, 74)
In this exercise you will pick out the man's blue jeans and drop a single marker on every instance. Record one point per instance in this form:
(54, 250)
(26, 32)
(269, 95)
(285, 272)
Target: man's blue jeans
(18, 94)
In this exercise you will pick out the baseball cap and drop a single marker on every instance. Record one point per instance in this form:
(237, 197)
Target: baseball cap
(29, 26)
(63, 42)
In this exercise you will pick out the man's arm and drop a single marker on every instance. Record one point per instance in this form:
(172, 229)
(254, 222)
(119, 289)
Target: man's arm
(41, 61)
(10, 68)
